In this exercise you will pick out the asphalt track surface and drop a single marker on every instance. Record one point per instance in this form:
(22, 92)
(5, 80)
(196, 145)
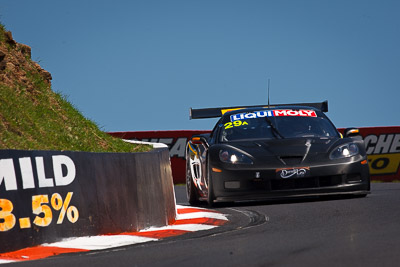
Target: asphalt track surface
(308, 232)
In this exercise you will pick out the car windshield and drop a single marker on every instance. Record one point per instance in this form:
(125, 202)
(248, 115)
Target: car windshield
(269, 124)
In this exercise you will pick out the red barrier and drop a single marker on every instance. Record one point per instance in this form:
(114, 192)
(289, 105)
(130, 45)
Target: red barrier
(382, 145)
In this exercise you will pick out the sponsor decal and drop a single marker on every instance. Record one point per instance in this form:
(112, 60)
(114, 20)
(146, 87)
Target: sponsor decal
(223, 111)
(40, 208)
(382, 144)
(274, 113)
(383, 163)
(235, 124)
(63, 167)
(297, 172)
(176, 149)
(383, 153)
(42, 205)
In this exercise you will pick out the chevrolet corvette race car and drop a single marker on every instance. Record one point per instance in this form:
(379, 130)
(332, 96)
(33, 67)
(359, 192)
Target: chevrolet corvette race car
(264, 152)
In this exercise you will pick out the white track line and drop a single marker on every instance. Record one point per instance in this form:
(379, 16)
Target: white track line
(201, 214)
(100, 242)
(183, 227)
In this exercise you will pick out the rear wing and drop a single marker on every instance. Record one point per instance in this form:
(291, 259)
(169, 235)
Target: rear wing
(205, 113)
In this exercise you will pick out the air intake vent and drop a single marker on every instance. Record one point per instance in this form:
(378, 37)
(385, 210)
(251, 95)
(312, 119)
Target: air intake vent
(291, 160)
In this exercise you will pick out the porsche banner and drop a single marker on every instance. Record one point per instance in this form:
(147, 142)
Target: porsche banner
(383, 148)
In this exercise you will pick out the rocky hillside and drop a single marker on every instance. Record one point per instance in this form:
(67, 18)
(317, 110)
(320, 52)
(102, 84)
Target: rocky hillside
(16, 64)
(32, 116)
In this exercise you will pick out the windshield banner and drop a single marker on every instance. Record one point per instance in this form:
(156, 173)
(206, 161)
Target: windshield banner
(274, 113)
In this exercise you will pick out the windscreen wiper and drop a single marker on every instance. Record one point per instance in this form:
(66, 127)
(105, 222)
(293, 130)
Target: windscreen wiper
(274, 130)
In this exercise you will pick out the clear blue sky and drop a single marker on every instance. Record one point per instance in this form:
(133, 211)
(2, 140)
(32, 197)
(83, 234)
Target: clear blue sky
(140, 65)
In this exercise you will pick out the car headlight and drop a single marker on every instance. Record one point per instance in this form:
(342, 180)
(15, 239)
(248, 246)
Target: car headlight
(344, 151)
(234, 157)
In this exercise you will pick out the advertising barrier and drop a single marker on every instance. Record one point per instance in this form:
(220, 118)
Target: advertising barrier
(176, 142)
(383, 148)
(49, 195)
(382, 145)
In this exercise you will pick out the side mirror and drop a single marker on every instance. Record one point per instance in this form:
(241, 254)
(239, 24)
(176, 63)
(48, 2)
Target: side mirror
(350, 132)
(199, 140)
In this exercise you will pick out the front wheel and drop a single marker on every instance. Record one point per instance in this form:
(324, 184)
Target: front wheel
(210, 195)
(191, 192)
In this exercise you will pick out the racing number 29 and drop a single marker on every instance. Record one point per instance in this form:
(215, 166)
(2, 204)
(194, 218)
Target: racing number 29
(234, 124)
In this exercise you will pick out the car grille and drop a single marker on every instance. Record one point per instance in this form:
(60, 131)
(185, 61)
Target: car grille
(312, 182)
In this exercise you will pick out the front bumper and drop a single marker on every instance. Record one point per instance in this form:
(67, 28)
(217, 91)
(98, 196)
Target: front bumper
(263, 183)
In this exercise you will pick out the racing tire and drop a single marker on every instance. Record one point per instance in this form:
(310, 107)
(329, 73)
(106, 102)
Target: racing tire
(210, 195)
(191, 192)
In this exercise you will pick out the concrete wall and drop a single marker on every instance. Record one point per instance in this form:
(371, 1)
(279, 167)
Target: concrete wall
(49, 195)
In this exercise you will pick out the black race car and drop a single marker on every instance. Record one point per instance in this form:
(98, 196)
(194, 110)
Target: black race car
(264, 152)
